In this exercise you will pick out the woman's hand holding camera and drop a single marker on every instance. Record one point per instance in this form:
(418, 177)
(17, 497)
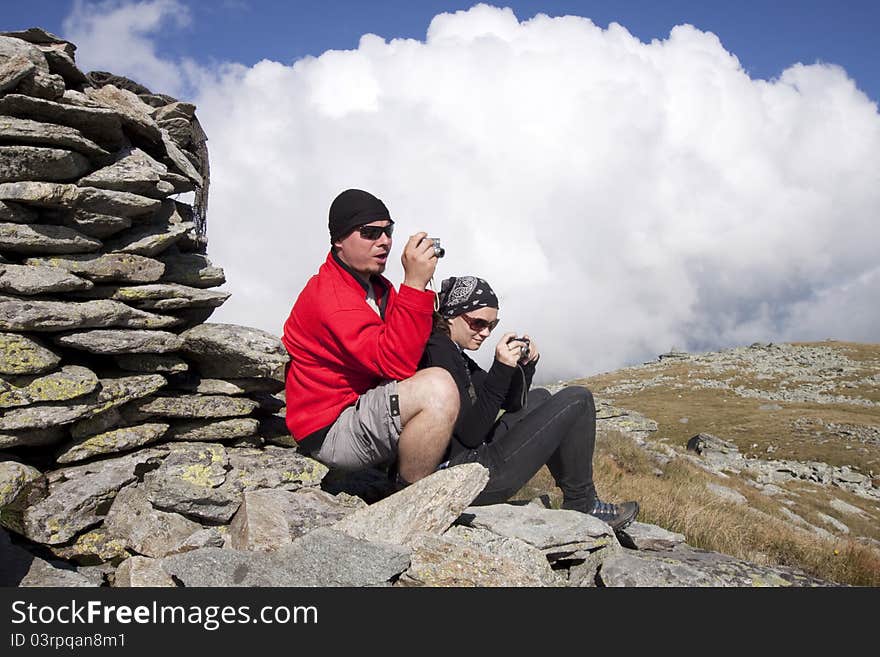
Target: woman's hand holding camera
(514, 351)
(419, 261)
(534, 354)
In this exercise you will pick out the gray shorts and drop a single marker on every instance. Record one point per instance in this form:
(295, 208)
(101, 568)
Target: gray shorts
(366, 433)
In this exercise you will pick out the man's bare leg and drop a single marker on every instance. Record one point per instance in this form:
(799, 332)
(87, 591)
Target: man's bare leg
(429, 404)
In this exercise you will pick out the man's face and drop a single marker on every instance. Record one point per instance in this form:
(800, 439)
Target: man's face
(365, 256)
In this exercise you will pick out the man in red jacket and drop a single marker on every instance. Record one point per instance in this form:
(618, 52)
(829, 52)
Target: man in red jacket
(354, 397)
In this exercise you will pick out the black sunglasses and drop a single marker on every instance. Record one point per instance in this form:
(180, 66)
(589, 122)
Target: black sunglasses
(374, 232)
(477, 324)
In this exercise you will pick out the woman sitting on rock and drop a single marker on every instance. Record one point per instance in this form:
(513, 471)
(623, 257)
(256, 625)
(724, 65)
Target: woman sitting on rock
(537, 428)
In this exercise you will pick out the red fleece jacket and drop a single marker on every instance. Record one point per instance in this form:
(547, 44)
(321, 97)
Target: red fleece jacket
(340, 347)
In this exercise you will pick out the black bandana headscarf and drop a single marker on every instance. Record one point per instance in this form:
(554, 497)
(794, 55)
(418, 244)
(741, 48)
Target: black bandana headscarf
(463, 294)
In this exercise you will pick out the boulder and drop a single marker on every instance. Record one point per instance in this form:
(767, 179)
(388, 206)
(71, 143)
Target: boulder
(133, 112)
(93, 547)
(106, 267)
(20, 354)
(642, 536)
(430, 505)
(134, 171)
(142, 571)
(29, 315)
(15, 480)
(121, 341)
(230, 351)
(193, 269)
(40, 163)
(13, 70)
(99, 124)
(111, 442)
(29, 280)
(11, 48)
(38, 238)
(40, 85)
(179, 130)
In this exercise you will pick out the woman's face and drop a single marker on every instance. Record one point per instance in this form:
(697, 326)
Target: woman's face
(470, 329)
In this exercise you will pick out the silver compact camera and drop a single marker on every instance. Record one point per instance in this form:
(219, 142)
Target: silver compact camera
(439, 251)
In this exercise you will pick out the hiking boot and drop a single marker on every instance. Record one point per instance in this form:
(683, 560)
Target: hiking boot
(616, 515)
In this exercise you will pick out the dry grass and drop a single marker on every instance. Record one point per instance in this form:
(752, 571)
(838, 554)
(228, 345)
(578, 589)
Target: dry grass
(678, 500)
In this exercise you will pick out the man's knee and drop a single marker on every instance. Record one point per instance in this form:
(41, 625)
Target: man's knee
(431, 389)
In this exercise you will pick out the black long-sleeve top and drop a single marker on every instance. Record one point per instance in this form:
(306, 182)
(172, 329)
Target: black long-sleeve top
(483, 394)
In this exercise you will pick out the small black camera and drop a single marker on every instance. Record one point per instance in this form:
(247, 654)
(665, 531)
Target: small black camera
(524, 355)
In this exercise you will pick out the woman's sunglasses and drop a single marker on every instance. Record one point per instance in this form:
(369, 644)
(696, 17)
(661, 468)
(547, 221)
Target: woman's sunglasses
(477, 324)
(374, 232)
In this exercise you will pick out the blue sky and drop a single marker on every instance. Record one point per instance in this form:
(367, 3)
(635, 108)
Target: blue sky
(766, 36)
(706, 176)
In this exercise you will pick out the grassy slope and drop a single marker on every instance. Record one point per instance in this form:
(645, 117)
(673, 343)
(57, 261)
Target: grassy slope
(675, 496)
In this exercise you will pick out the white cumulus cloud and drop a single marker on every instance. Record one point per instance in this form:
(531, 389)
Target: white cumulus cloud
(621, 197)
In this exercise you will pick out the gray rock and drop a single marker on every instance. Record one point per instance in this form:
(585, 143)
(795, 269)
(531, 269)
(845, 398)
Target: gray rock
(230, 386)
(112, 442)
(17, 214)
(39, 85)
(37, 238)
(195, 406)
(147, 240)
(158, 363)
(845, 507)
(321, 558)
(31, 437)
(214, 431)
(146, 530)
(36, 133)
(142, 571)
(40, 163)
(169, 297)
(80, 497)
(209, 537)
(131, 109)
(121, 341)
(107, 267)
(642, 536)
(512, 550)
(88, 199)
(99, 124)
(438, 561)
(30, 315)
(190, 481)
(11, 47)
(134, 171)
(175, 110)
(70, 382)
(687, 566)
(180, 160)
(91, 547)
(179, 129)
(96, 225)
(60, 63)
(557, 533)
(834, 522)
(27, 280)
(728, 494)
(20, 354)
(430, 506)
(230, 351)
(114, 392)
(193, 269)
(15, 479)
(13, 70)
(273, 467)
(18, 567)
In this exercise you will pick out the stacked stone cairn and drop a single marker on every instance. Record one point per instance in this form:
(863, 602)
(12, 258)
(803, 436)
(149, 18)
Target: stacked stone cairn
(141, 446)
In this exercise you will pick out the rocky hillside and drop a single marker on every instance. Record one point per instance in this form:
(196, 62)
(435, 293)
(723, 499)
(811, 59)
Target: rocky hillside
(142, 446)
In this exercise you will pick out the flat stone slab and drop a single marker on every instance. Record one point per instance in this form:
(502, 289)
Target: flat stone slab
(106, 267)
(41, 238)
(728, 494)
(169, 296)
(214, 430)
(553, 531)
(439, 561)
(95, 225)
(159, 363)
(70, 382)
(180, 160)
(687, 566)
(80, 497)
(121, 341)
(144, 529)
(642, 536)
(20, 354)
(32, 315)
(112, 442)
(101, 125)
(134, 171)
(195, 406)
(36, 133)
(321, 558)
(91, 548)
(193, 269)
(148, 240)
(40, 163)
(131, 109)
(88, 199)
(430, 506)
(28, 280)
(228, 351)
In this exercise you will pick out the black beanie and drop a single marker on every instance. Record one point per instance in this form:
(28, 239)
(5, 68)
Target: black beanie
(354, 207)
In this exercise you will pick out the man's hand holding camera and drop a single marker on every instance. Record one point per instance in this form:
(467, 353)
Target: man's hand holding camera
(419, 260)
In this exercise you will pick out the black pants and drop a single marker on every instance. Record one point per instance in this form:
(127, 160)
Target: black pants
(557, 430)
